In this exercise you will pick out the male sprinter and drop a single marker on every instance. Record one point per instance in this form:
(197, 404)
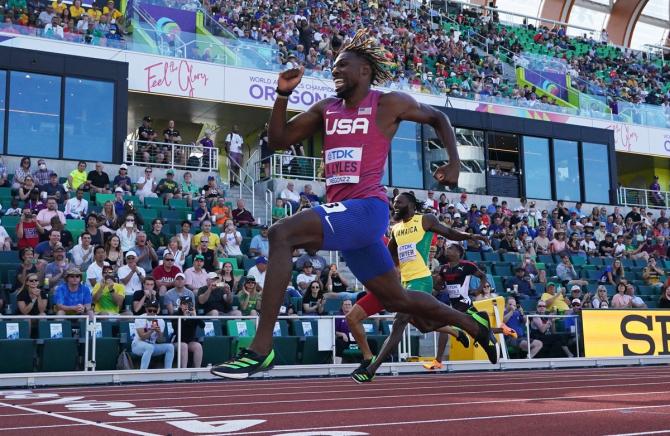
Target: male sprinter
(409, 247)
(358, 127)
(453, 277)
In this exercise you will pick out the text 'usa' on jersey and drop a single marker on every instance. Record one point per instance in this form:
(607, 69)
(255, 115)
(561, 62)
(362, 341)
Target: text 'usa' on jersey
(355, 150)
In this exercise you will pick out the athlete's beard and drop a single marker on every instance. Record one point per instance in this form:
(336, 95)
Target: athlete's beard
(401, 215)
(345, 92)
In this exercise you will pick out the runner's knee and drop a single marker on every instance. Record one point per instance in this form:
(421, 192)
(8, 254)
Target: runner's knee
(355, 315)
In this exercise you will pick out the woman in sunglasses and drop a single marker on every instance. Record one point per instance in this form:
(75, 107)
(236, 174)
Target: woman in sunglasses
(31, 299)
(149, 339)
(313, 301)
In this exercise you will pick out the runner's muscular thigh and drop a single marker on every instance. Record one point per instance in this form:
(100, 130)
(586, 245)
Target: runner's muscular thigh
(302, 230)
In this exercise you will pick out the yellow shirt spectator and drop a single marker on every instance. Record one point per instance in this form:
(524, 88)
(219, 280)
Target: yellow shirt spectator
(58, 7)
(78, 178)
(558, 302)
(112, 11)
(94, 13)
(213, 243)
(76, 11)
(105, 302)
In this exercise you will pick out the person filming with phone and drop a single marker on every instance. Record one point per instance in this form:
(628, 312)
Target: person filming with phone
(149, 337)
(189, 341)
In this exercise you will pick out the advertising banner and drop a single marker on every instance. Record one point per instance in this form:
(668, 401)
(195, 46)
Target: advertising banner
(170, 19)
(621, 333)
(550, 82)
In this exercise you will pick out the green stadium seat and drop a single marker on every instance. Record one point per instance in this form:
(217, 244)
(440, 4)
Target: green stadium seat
(243, 330)
(178, 203)
(286, 350)
(311, 355)
(473, 256)
(76, 227)
(101, 199)
(58, 351)
(149, 215)
(216, 347)
(332, 306)
(16, 347)
(153, 203)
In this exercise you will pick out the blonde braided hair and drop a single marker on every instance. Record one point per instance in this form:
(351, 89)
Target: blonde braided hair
(366, 47)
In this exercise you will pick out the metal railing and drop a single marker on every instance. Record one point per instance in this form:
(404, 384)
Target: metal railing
(245, 181)
(643, 198)
(292, 167)
(169, 155)
(269, 204)
(553, 317)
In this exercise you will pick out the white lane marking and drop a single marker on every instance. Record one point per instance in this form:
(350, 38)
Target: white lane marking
(379, 397)
(471, 418)
(355, 389)
(79, 420)
(643, 433)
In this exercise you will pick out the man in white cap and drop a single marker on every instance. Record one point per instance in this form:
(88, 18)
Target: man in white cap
(122, 181)
(131, 275)
(171, 299)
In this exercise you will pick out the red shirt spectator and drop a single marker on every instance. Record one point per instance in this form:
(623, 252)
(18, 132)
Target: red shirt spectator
(28, 230)
(165, 273)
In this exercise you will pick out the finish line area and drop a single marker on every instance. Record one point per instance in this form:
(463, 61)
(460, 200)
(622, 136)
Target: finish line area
(599, 400)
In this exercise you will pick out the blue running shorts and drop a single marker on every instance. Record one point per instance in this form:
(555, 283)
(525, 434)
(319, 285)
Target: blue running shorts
(355, 227)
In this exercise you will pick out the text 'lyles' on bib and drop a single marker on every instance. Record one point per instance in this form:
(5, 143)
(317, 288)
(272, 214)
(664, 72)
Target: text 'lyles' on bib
(343, 165)
(407, 252)
(454, 290)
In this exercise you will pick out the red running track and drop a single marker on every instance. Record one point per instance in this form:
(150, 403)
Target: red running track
(597, 401)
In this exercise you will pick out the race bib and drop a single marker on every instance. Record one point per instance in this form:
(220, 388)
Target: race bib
(407, 252)
(343, 165)
(454, 291)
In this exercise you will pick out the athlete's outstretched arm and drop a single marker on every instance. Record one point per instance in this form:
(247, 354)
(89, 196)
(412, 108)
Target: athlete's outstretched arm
(411, 110)
(282, 134)
(393, 248)
(432, 224)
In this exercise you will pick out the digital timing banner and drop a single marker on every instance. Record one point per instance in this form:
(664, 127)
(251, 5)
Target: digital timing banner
(620, 333)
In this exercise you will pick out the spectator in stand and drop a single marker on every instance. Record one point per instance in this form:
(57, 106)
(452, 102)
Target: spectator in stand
(656, 196)
(108, 295)
(558, 245)
(313, 300)
(318, 262)
(4, 176)
(612, 274)
(221, 213)
(147, 135)
(77, 177)
(635, 301)
(310, 195)
(54, 189)
(42, 174)
(168, 188)
(242, 216)
(600, 300)
(98, 180)
(21, 172)
(45, 215)
(5, 240)
(156, 237)
(131, 275)
(288, 194)
(211, 190)
(195, 276)
(146, 185)
(520, 285)
(258, 272)
(189, 340)
(621, 300)
(278, 211)
(342, 330)
(606, 247)
(82, 253)
(148, 293)
(230, 242)
(166, 273)
(306, 276)
(249, 297)
(202, 212)
(31, 299)
(27, 188)
(208, 149)
(179, 291)
(175, 248)
(150, 336)
(94, 270)
(566, 272)
(210, 256)
(514, 318)
(652, 273)
(127, 233)
(77, 207)
(45, 250)
(216, 299)
(213, 240)
(54, 272)
(122, 181)
(14, 209)
(73, 297)
(29, 265)
(664, 300)
(234, 143)
(119, 202)
(555, 299)
(188, 189)
(431, 202)
(171, 135)
(146, 254)
(260, 245)
(336, 285)
(185, 237)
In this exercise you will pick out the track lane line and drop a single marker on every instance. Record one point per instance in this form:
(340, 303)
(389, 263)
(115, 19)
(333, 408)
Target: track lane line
(353, 426)
(378, 397)
(79, 420)
(388, 384)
